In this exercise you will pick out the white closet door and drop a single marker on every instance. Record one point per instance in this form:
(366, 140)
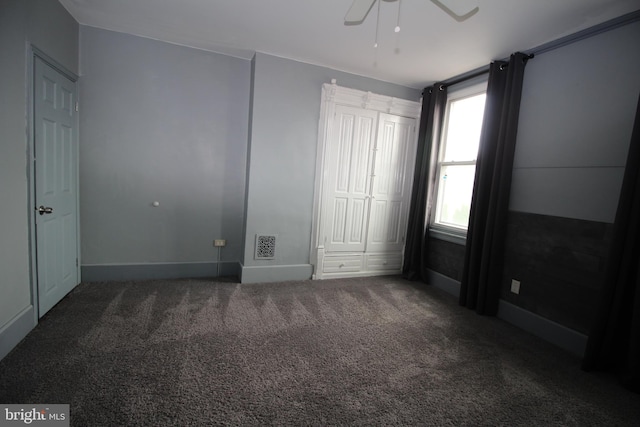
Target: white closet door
(347, 173)
(392, 173)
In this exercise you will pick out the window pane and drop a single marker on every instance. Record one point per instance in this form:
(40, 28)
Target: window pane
(454, 195)
(463, 128)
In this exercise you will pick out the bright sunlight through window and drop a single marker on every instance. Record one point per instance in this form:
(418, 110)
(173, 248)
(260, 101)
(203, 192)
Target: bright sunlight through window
(457, 163)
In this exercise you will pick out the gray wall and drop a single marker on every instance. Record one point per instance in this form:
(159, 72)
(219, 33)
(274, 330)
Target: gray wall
(576, 118)
(48, 26)
(167, 123)
(578, 106)
(284, 136)
(560, 263)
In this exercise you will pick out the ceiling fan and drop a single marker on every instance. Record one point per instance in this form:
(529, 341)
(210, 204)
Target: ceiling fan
(360, 9)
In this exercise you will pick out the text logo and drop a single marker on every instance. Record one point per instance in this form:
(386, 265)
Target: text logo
(36, 415)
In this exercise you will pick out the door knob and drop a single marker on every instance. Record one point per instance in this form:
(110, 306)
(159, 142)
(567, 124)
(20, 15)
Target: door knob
(42, 210)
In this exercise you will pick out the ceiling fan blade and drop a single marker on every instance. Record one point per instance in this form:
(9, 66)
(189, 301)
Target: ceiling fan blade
(454, 15)
(358, 11)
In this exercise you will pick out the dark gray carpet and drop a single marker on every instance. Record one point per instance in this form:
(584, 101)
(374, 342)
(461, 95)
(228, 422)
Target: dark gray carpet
(370, 351)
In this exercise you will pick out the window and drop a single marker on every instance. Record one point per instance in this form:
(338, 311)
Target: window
(457, 160)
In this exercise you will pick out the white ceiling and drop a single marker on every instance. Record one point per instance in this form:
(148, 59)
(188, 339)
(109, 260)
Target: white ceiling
(430, 46)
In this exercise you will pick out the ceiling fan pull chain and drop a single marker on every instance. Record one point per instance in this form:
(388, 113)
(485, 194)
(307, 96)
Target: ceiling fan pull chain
(375, 44)
(397, 29)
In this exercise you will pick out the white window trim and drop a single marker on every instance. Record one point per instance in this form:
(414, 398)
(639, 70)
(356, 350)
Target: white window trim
(463, 90)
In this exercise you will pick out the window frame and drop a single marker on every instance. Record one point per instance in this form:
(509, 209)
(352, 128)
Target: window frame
(458, 92)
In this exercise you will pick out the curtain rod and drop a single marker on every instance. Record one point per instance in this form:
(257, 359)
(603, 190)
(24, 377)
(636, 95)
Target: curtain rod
(466, 76)
(479, 71)
(563, 41)
(460, 78)
(611, 24)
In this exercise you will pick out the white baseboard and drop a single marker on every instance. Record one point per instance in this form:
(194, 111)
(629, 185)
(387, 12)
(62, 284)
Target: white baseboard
(16, 329)
(275, 273)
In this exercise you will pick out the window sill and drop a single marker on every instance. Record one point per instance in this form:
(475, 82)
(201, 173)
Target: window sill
(448, 236)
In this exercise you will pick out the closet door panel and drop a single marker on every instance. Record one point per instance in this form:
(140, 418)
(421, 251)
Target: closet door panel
(392, 173)
(347, 177)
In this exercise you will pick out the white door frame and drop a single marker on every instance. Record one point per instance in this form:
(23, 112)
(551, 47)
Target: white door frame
(333, 95)
(32, 53)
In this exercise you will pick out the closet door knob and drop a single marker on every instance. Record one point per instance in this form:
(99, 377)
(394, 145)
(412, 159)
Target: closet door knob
(42, 210)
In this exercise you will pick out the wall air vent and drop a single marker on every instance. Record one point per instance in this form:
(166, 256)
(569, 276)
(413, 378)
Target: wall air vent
(265, 246)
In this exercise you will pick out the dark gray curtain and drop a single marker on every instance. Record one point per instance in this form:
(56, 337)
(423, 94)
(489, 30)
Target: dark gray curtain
(614, 341)
(434, 101)
(482, 274)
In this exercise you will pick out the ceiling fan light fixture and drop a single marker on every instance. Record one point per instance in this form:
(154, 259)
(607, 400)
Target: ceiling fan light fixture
(360, 9)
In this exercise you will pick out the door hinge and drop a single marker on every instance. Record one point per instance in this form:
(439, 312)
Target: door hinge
(76, 262)
(77, 106)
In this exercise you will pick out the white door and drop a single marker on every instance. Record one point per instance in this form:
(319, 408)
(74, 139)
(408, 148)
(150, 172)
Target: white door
(348, 178)
(56, 151)
(392, 182)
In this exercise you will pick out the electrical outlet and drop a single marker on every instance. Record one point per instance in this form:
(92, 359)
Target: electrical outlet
(515, 286)
(218, 243)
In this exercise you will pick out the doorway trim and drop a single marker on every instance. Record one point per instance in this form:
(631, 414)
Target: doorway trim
(34, 52)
